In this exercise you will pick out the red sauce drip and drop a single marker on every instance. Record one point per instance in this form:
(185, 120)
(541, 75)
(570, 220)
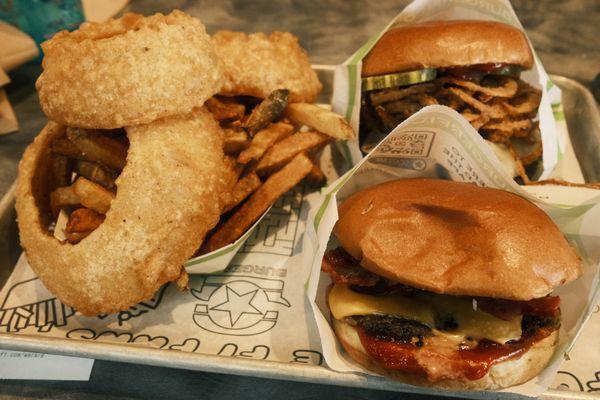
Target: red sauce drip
(472, 363)
(507, 309)
(391, 355)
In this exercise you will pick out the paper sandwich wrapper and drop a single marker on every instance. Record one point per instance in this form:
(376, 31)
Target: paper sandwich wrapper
(437, 142)
(347, 89)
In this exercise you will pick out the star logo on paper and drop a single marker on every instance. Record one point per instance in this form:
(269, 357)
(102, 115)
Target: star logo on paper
(237, 305)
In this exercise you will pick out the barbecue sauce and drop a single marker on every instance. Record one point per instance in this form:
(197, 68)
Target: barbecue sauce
(472, 363)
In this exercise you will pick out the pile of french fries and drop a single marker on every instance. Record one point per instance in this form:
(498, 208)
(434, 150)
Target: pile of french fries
(272, 146)
(84, 166)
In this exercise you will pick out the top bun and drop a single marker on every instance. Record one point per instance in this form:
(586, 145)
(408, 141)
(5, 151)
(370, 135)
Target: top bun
(456, 238)
(439, 44)
(128, 71)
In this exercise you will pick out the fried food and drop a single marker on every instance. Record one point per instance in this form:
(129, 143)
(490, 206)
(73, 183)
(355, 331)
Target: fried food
(65, 147)
(500, 107)
(61, 171)
(387, 95)
(128, 71)
(164, 206)
(318, 118)
(225, 108)
(284, 151)
(492, 111)
(558, 182)
(92, 195)
(507, 86)
(263, 140)
(242, 189)
(316, 177)
(81, 223)
(256, 65)
(63, 197)
(232, 173)
(235, 141)
(96, 173)
(277, 184)
(98, 148)
(267, 111)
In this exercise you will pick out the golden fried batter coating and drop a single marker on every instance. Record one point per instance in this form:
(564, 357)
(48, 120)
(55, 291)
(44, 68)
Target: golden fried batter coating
(128, 71)
(256, 64)
(164, 206)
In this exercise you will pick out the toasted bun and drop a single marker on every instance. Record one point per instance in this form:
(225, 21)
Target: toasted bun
(438, 44)
(504, 374)
(456, 238)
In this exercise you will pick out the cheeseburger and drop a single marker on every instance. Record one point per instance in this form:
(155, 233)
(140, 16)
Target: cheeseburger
(473, 67)
(446, 284)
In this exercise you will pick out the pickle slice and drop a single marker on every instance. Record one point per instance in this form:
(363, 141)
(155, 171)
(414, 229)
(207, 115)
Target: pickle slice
(509, 70)
(399, 79)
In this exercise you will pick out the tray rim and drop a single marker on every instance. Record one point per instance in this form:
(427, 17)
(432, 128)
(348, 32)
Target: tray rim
(247, 367)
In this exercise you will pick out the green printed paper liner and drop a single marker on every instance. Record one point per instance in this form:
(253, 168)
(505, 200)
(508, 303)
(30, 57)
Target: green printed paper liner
(347, 87)
(437, 142)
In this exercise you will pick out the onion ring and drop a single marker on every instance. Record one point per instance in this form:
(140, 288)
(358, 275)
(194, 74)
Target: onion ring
(526, 103)
(476, 120)
(164, 206)
(128, 71)
(508, 88)
(509, 126)
(383, 96)
(493, 111)
(256, 65)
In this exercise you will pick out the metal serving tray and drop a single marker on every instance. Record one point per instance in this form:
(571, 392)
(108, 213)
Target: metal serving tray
(583, 119)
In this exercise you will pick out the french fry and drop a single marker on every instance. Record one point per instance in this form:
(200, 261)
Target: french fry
(83, 220)
(106, 151)
(281, 153)
(93, 195)
(242, 189)
(320, 119)
(62, 197)
(64, 147)
(264, 139)
(267, 111)
(277, 184)
(61, 170)
(76, 237)
(96, 173)
(316, 177)
(233, 171)
(225, 109)
(235, 141)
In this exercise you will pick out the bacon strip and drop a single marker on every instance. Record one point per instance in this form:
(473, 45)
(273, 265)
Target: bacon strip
(344, 269)
(508, 309)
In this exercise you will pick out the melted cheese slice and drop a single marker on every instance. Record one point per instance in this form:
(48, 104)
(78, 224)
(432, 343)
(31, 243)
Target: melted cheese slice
(423, 308)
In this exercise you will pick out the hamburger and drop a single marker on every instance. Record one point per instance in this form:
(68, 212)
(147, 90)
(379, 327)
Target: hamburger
(472, 67)
(446, 284)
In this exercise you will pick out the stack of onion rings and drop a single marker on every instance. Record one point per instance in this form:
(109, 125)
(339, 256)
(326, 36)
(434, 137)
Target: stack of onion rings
(149, 76)
(128, 71)
(162, 210)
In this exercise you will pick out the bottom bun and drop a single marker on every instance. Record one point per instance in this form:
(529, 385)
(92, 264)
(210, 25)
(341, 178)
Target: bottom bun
(507, 373)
